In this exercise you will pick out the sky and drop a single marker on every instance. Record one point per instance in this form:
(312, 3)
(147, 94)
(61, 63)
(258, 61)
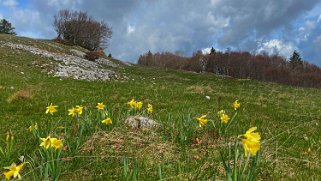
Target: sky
(185, 26)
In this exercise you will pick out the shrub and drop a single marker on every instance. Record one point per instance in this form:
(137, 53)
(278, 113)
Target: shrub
(93, 55)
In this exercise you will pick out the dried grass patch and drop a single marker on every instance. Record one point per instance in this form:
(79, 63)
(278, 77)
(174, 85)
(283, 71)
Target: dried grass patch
(200, 89)
(144, 144)
(26, 93)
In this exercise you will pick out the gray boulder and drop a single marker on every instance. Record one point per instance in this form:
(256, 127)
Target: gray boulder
(140, 122)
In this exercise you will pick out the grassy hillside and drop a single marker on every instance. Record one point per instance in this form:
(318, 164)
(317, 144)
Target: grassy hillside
(288, 119)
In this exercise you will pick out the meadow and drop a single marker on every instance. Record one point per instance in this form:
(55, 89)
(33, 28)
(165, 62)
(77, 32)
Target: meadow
(287, 118)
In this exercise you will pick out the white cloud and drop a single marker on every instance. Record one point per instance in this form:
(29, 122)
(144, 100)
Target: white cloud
(130, 29)
(206, 50)
(319, 19)
(217, 21)
(310, 25)
(305, 31)
(10, 3)
(276, 46)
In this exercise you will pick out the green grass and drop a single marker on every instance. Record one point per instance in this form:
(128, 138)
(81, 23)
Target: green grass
(288, 119)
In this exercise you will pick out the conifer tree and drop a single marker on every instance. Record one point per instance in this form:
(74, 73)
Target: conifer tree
(295, 59)
(6, 27)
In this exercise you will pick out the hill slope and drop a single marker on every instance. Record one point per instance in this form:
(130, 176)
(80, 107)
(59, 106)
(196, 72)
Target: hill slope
(288, 119)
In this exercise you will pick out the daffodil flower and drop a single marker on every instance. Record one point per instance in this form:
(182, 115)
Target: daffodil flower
(13, 171)
(236, 105)
(251, 142)
(51, 109)
(202, 120)
(33, 127)
(149, 108)
(46, 142)
(72, 112)
(132, 103)
(51, 143)
(139, 105)
(79, 109)
(107, 121)
(225, 118)
(100, 106)
(220, 113)
(56, 143)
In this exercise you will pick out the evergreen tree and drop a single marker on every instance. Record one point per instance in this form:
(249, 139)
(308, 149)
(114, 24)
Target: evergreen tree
(212, 51)
(295, 59)
(6, 27)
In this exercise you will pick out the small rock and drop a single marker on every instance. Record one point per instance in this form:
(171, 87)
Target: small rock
(107, 62)
(208, 97)
(140, 122)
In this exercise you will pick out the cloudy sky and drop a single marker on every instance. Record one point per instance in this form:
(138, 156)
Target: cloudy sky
(274, 26)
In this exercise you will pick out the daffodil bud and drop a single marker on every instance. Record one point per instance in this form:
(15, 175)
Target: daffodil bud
(7, 136)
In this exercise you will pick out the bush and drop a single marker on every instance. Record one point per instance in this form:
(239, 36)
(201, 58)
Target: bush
(93, 55)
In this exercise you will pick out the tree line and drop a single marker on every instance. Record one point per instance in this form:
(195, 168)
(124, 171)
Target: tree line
(243, 65)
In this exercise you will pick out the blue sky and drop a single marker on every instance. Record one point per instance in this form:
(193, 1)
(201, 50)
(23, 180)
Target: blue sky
(273, 26)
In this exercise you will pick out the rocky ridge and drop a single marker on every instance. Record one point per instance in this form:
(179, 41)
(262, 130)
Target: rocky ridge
(72, 66)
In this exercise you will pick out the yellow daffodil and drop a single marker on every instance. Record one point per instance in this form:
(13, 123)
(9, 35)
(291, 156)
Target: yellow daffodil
(51, 109)
(251, 142)
(46, 142)
(56, 143)
(236, 105)
(139, 105)
(107, 121)
(132, 103)
(100, 106)
(30, 128)
(33, 127)
(220, 113)
(202, 120)
(225, 118)
(51, 143)
(79, 109)
(149, 108)
(72, 112)
(13, 171)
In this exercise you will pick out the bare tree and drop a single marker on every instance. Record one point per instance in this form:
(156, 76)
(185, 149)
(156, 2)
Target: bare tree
(78, 28)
